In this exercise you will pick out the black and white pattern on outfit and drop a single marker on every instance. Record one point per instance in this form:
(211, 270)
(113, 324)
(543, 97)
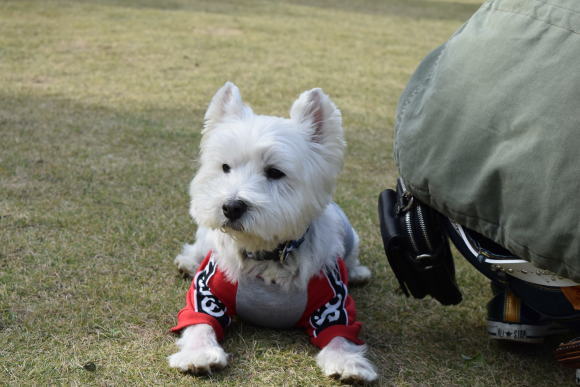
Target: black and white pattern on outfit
(205, 301)
(334, 311)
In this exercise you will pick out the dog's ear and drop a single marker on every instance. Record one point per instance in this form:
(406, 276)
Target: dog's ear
(321, 116)
(226, 103)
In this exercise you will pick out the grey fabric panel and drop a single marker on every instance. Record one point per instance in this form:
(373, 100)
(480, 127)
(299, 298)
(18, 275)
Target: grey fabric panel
(488, 129)
(268, 305)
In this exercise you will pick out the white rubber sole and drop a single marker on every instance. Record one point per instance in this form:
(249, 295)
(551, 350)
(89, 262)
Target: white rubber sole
(521, 333)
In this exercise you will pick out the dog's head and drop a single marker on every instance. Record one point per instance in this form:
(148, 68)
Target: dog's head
(261, 178)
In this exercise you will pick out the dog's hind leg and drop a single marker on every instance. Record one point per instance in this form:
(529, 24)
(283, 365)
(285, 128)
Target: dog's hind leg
(199, 351)
(357, 273)
(192, 255)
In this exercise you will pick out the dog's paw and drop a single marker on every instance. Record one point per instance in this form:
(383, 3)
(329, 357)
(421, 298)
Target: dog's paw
(185, 265)
(359, 274)
(199, 361)
(348, 368)
(187, 262)
(346, 361)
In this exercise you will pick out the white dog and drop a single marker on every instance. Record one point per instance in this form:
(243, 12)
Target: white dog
(271, 246)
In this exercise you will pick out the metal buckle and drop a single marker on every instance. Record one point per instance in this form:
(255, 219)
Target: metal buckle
(406, 203)
(424, 261)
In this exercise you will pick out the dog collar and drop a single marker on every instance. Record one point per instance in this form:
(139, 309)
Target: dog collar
(280, 253)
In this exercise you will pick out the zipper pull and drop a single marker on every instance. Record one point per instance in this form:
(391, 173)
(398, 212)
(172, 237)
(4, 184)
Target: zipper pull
(407, 202)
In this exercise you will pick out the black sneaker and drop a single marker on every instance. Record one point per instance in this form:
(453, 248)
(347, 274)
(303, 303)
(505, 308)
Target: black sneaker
(508, 318)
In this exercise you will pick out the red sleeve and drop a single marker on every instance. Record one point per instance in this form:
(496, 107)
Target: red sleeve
(210, 300)
(331, 310)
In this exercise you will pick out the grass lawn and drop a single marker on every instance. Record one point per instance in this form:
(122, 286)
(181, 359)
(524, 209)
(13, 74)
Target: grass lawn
(101, 105)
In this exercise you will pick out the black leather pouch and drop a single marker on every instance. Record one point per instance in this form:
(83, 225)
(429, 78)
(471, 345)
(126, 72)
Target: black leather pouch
(417, 247)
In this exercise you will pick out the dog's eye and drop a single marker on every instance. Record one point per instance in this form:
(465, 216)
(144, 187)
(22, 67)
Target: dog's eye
(226, 168)
(274, 174)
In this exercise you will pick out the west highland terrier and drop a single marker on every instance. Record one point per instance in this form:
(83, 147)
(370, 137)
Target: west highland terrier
(271, 247)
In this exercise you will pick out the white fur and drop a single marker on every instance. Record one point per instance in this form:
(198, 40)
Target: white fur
(346, 360)
(309, 149)
(192, 255)
(199, 351)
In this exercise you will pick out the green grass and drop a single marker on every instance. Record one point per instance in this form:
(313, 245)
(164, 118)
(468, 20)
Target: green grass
(101, 104)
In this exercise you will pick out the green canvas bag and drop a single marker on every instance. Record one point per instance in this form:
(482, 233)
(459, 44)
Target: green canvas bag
(488, 129)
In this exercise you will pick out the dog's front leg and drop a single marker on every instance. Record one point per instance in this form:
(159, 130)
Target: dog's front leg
(199, 351)
(343, 359)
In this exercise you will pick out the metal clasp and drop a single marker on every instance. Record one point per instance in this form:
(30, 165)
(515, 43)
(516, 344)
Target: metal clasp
(409, 199)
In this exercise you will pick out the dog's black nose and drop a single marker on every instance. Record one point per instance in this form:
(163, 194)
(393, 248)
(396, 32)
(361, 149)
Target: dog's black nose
(234, 209)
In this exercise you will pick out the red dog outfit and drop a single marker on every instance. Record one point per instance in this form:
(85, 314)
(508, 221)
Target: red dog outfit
(324, 309)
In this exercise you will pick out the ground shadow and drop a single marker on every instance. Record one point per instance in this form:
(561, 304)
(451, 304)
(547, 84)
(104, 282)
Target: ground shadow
(413, 9)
